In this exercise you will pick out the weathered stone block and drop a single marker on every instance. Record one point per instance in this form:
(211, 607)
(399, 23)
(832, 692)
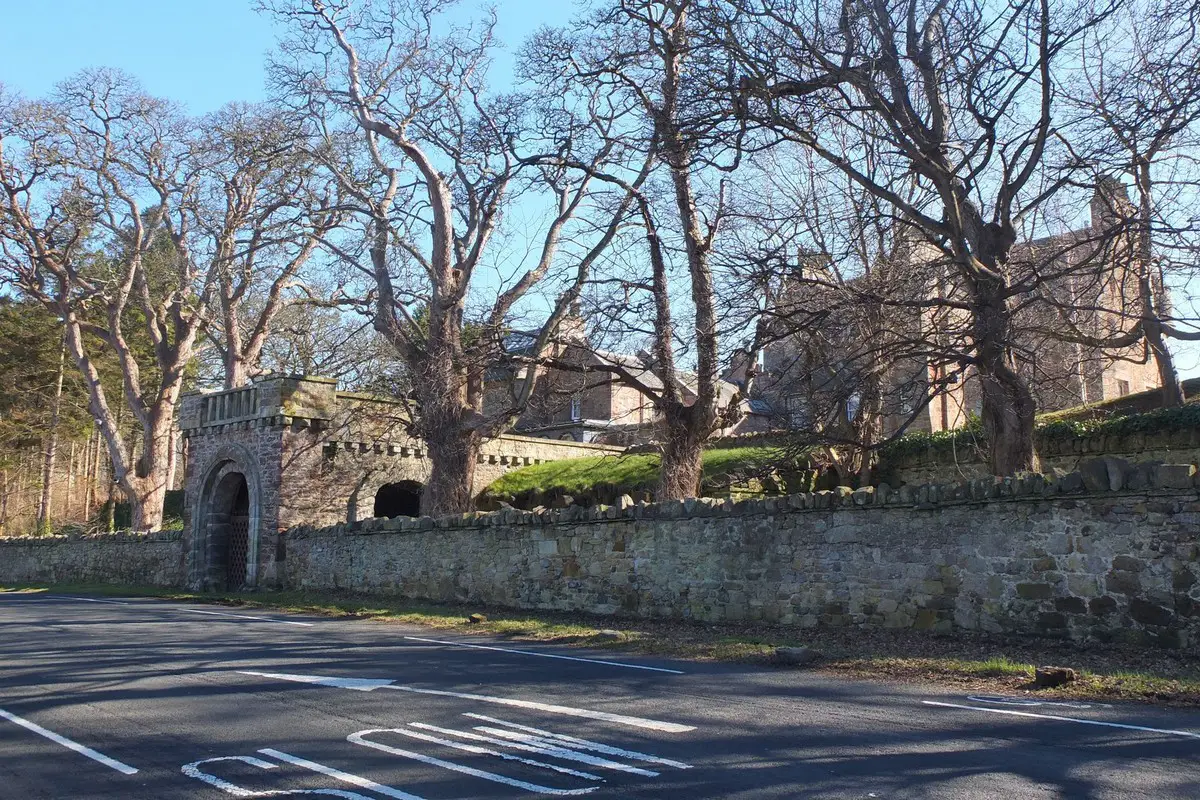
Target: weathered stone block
(1035, 591)
(1174, 476)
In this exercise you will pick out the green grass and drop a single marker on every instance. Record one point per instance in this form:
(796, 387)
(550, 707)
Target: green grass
(964, 661)
(638, 471)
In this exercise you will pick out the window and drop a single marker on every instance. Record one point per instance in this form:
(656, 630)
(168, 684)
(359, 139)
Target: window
(1122, 387)
(852, 405)
(797, 411)
(576, 408)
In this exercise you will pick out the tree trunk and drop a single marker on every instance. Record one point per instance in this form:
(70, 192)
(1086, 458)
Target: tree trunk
(172, 458)
(43, 519)
(1168, 377)
(681, 469)
(147, 489)
(3, 501)
(1152, 329)
(1008, 407)
(69, 506)
(453, 455)
(93, 475)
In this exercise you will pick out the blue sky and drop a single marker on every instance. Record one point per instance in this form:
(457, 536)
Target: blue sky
(203, 53)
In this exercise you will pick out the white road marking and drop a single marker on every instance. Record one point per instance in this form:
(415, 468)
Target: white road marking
(246, 616)
(95, 600)
(368, 684)
(345, 777)
(999, 699)
(559, 751)
(1009, 712)
(111, 763)
(541, 749)
(584, 744)
(359, 738)
(547, 655)
(487, 751)
(190, 611)
(193, 771)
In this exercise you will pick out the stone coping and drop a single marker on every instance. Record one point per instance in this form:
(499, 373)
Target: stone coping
(1099, 477)
(115, 536)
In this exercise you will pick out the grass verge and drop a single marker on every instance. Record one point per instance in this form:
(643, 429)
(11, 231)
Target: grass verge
(962, 661)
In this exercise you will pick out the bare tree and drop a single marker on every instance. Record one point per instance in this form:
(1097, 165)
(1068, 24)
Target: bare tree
(642, 57)
(394, 95)
(1137, 93)
(87, 183)
(107, 217)
(262, 209)
(960, 98)
(851, 359)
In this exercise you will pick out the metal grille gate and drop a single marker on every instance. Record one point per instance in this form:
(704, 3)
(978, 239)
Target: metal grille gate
(239, 550)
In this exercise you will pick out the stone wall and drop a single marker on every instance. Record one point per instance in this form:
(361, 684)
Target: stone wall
(1104, 554)
(154, 558)
(937, 465)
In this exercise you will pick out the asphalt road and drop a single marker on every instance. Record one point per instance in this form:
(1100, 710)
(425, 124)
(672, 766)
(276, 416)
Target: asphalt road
(148, 699)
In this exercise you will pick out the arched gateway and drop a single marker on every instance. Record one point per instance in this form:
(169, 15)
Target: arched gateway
(225, 524)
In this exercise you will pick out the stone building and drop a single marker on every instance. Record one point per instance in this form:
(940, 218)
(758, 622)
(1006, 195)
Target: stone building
(287, 451)
(590, 394)
(1084, 281)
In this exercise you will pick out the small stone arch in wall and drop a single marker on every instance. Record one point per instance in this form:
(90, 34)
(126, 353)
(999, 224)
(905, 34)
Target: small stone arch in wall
(226, 523)
(399, 499)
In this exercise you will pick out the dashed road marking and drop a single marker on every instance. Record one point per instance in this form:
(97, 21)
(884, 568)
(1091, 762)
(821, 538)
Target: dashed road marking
(178, 610)
(111, 763)
(246, 616)
(1058, 718)
(547, 655)
(370, 684)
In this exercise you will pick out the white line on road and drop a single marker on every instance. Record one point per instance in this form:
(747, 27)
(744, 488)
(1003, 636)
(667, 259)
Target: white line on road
(1064, 719)
(560, 751)
(369, 684)
(487, 751)
(193, 771)
(547, 655)
(190, 611)
(346, 777)
(360, 738)
(69, 744)
(245, 616)
(541, 749)
(583, 744)
(95, 600)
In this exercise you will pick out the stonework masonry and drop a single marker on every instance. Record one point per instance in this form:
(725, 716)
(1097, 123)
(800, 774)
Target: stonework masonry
(152, 558)
(1107, 553)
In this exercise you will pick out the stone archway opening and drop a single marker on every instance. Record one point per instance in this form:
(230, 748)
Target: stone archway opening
(401, 499)
(227, 534)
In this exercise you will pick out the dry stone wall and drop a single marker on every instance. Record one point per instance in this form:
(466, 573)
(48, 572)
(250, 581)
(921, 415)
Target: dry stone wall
(1110, 553)
(151, 558)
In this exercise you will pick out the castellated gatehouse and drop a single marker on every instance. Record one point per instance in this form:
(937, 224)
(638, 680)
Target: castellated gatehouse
(294, 450)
